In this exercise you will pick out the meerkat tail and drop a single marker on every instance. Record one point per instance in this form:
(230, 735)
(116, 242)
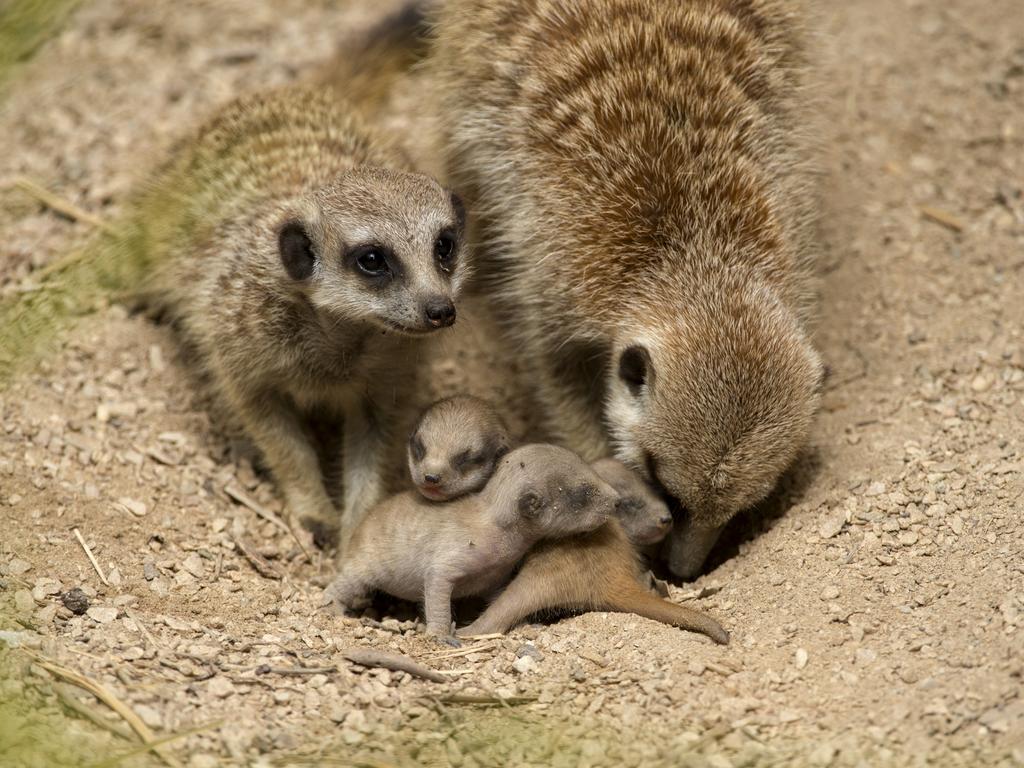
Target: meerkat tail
(366, 74)
(650, 607)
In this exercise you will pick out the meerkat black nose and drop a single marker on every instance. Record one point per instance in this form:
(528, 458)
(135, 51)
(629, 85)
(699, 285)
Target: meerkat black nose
(666, 520)
(432, 479)
(440, 313)
(620, 505)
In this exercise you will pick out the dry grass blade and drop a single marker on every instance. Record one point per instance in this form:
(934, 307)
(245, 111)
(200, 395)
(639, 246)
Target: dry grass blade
(152, 746)
(60, 205)
(370, 657)
(105, 695)
(486, 701)
(942, 217)
(457, 652)
(89, 554)
(73, 703)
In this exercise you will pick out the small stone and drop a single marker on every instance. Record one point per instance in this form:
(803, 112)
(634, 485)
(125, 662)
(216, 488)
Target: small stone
(956, 524)
(149, 570)
(221, 687)
(350, 737)
(134, 506)
(76, 601)
(908, 538)
(282, 697)
(47, 615)
(832, 524)
(524, 664)
(44, 588)
(830, 593)
(337, 712)
(194, 565)
(800, 659)
(822, 755)
(149, 716)
(18, 567)
(114, 577)
(203, 761)
(102, 614)
(23, 601)
(981, 383)
(356, 720)
(876, 488)
(865, 656)
(529, 649)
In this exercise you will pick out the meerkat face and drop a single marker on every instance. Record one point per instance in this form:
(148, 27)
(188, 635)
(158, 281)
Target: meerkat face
(455, 446)
(713, 412)
(644, 515)
(551, 492)
(378, 246)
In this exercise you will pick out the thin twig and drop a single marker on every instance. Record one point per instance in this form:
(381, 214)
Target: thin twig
(92, 559)
(942, 217)
(491, 701)
(370, 657)
(243, 498)
(104, 694)
(457, 652)
(142, 627)
(259, 562)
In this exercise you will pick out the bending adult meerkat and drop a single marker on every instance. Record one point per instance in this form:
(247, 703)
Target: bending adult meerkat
(455, 446)
(302, 259)
(640, 173)
(414, 549)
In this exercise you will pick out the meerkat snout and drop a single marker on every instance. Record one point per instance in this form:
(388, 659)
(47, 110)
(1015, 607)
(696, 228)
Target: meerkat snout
(439, 311)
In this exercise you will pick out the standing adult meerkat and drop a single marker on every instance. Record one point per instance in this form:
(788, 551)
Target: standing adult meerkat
(644, 194)
(302, 259)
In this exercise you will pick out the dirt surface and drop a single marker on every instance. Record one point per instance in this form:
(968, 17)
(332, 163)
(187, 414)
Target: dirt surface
(877, 613)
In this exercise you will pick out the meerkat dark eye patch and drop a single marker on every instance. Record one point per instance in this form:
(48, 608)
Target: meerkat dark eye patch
(635, 368)
(468, 460)
(296, 250)
(417, 448)
(530, 504)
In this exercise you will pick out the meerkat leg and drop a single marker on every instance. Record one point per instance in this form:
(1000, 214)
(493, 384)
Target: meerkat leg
(347, 592)
(520, 599)
(274, 425)
(362, 456)
(437, 607)
(565, 389)
(688, 547)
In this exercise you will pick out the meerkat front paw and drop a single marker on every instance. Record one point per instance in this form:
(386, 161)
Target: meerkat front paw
(326, 533)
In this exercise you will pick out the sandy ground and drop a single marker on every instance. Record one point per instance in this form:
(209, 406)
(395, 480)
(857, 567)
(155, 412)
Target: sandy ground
(876, 608)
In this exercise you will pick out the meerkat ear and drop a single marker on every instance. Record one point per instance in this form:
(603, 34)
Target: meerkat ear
(296, 250)
(530, 504)
(460, 210)
(635, 368)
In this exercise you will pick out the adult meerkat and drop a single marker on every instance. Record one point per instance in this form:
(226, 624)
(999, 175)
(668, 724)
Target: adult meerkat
(640, 174)
(302, 260)
(455, 446)
(415, 549)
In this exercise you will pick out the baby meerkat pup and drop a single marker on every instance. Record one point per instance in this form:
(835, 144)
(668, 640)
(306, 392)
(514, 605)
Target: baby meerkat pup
(644, 516)
(455, 447)
(647, 211)
(302, 259)
(415, 549)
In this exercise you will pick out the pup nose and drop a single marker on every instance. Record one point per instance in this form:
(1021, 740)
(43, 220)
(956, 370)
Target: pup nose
(440, 313)
(432, 479)
(620, 505)
(666, 520)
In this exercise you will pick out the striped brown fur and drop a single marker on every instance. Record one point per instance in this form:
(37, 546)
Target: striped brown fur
(640, 173)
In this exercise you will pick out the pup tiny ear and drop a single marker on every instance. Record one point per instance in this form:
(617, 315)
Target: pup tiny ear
(530, 504)
(296, 250)
(635, 368)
